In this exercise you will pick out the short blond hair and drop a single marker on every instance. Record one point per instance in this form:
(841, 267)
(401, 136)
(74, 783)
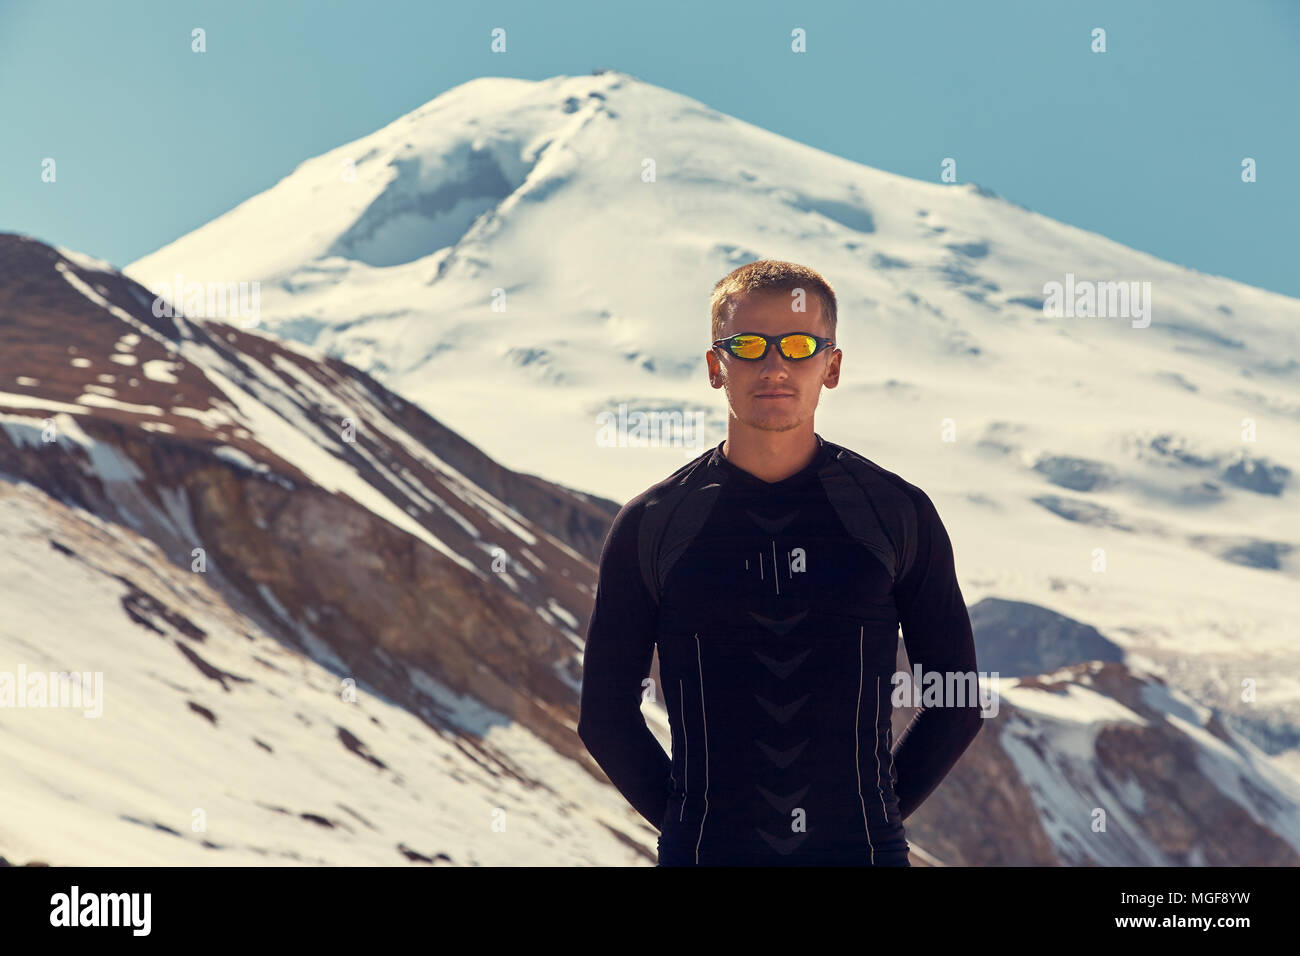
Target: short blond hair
(767, 275)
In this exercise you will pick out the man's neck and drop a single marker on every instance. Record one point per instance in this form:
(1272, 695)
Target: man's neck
(771, 456)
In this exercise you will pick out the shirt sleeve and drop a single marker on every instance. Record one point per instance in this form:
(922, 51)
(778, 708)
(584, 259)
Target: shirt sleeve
(620, 644)
(938, 638)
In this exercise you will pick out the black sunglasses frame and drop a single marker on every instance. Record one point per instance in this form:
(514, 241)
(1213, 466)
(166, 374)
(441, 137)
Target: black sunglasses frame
(770, 340)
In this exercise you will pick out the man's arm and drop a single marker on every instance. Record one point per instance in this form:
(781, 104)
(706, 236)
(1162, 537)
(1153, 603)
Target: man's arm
(937, 635)
(620, 644)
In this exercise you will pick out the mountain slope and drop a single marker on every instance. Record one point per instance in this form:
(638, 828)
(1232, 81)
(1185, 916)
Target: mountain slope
(223, 455)
(1103, 764)
(220, 744)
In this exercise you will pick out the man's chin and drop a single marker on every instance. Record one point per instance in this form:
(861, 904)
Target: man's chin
(773, 423)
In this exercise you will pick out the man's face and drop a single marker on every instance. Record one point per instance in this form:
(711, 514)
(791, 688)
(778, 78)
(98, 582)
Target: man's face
(774, 394)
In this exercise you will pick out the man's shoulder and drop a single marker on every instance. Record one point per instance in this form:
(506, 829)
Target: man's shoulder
(637, 532)
(664, 492)
(874, 478)
(690, 475)
(859, 487)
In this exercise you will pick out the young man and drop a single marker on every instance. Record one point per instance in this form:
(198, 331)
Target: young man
(773, 572)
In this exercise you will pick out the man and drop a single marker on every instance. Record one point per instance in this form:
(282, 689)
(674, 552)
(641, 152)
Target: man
(773, 573)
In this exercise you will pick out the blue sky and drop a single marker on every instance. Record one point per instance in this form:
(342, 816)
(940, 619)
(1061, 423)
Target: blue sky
(1143, 143)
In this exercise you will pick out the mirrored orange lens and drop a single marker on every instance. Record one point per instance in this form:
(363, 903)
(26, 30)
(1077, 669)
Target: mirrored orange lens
(747, 346)
(798, 346)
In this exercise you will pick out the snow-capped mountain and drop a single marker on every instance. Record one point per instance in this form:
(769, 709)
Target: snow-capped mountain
(518, 257)
(319, 645)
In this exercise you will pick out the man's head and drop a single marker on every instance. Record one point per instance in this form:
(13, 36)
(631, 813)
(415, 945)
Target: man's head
(773, 298)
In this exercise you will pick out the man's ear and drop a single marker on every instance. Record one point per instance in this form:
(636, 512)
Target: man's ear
(715, 368)
(832, 376)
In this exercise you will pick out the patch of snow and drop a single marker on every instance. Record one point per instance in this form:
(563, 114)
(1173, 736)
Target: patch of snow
(83, 261)
(13, 400)
(102, 401)
(240, 458)
(562, 613)
(212, 417)
(1077, 704)
(107, 462)
(22, 430)
(160, 370)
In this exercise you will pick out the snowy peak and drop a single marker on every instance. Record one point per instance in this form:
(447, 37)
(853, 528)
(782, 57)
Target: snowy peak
(373, 200)
(560, 238)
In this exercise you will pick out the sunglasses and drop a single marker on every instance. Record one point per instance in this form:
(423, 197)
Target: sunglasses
(753, 346)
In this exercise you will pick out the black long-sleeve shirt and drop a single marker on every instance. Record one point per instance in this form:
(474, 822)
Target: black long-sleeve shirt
(776, 609)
